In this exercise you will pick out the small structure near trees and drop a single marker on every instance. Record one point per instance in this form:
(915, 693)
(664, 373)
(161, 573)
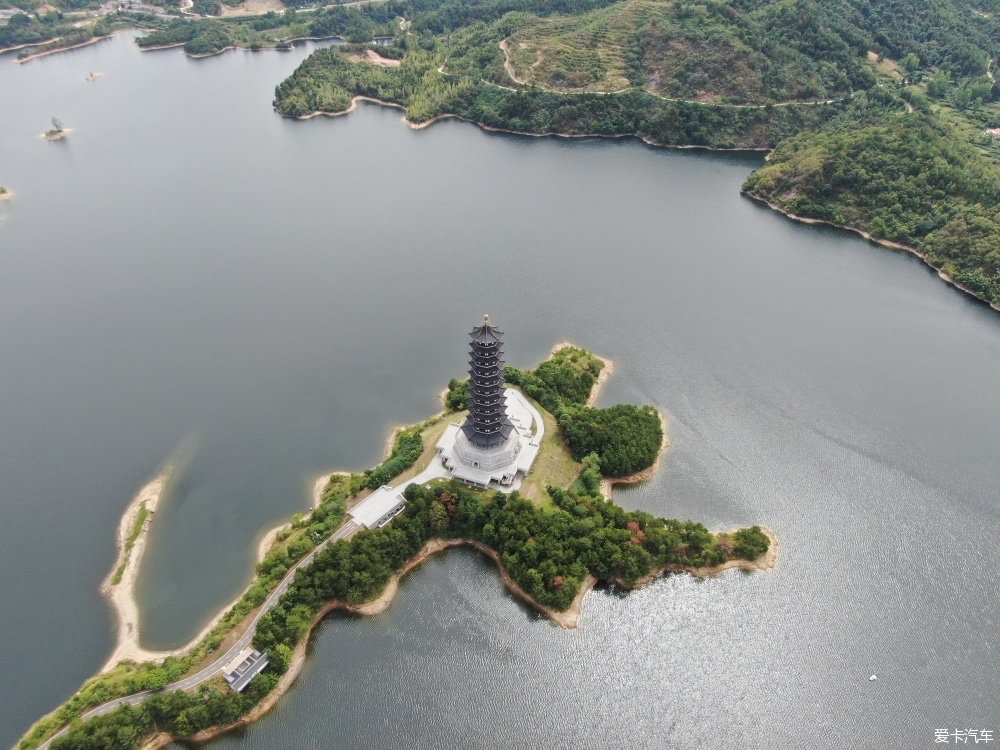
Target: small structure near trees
(248, 664)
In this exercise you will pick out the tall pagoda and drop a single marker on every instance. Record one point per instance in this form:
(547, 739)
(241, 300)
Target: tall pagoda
(487, 425)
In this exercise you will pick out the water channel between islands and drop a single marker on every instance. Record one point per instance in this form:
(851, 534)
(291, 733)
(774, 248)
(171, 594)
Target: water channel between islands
(189, 268)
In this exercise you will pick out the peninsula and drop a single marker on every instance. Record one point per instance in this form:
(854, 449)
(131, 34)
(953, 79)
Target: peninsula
(536, 508)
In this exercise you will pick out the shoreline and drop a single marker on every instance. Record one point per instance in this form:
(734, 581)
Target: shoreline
(203, 55)
(490, 129)
(608, 483)
(268, 539)
(35, 55)
(568, 619)
(122, 595)
(606, 371)
(884, 243)
(767, 561)
(123, 599)
(57, 136)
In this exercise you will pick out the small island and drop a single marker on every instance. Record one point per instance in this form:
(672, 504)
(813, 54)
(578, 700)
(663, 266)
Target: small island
(57, 132)
(518, 466)
(5, 194)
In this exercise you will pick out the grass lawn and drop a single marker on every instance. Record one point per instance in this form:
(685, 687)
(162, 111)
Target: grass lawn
(429, 436)
(553, 466)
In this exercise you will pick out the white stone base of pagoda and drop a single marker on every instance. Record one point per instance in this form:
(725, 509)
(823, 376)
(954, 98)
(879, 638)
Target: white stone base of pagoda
(503, 466)
(487, 459)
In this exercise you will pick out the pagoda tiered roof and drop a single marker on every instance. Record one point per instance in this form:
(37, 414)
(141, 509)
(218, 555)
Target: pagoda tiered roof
(487, 425)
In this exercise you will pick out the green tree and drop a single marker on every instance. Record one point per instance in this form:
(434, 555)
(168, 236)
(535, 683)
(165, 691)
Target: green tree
(937, 87)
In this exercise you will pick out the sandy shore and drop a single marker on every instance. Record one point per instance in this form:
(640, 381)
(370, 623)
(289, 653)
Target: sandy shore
(43, 53)
(122, 594)
(884, 243)
(7, 195)
(56, 136)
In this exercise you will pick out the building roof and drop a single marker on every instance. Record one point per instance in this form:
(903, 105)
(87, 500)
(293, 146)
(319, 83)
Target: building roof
(375, 509)
(243, 668)
(486, 333)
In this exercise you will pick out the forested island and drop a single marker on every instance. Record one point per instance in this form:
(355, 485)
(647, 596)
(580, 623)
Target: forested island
(552, 544)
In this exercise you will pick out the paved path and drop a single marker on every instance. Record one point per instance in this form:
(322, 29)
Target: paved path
(189, 683)
(434, 471)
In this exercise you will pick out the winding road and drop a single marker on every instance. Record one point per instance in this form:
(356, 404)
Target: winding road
(434, 471)
(189, 683)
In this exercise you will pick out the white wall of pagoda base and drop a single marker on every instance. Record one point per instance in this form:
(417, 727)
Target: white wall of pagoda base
(486, 459)
(503, 466)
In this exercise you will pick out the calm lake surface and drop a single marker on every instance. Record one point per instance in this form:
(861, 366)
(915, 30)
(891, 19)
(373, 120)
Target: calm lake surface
(190, 274)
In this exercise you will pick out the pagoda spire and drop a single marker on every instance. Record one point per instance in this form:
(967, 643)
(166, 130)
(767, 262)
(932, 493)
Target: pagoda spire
(487, 425)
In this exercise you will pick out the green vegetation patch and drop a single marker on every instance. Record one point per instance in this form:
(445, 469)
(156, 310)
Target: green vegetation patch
(176, 712)
(548, 552)
(140, 521)
(625, 438)
(405, 451)
(328, 79)
(706, 51)
(209, 36)
(904, 177)
(564, 379)
(52, 31)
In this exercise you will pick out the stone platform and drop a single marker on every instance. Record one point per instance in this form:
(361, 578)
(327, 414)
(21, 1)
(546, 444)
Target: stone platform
(504, 466)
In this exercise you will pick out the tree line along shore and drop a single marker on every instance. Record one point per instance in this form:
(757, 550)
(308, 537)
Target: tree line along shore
(549, 553)
(884, 119)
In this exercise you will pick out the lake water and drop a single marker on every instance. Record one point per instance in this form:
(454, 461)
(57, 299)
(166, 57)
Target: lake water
(190, 273)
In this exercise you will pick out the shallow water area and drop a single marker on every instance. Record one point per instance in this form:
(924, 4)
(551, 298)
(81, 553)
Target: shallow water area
(189, 270)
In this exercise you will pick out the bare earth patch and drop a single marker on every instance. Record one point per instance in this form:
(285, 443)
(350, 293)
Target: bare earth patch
(374, 58)
(253, 8)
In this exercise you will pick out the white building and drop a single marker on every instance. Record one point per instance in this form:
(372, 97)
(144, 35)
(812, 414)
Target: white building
(244, 667)
(378, 508)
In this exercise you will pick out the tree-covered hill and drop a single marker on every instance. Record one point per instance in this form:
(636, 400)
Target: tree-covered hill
(905, 177)
(709, 52)
(902, 150)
